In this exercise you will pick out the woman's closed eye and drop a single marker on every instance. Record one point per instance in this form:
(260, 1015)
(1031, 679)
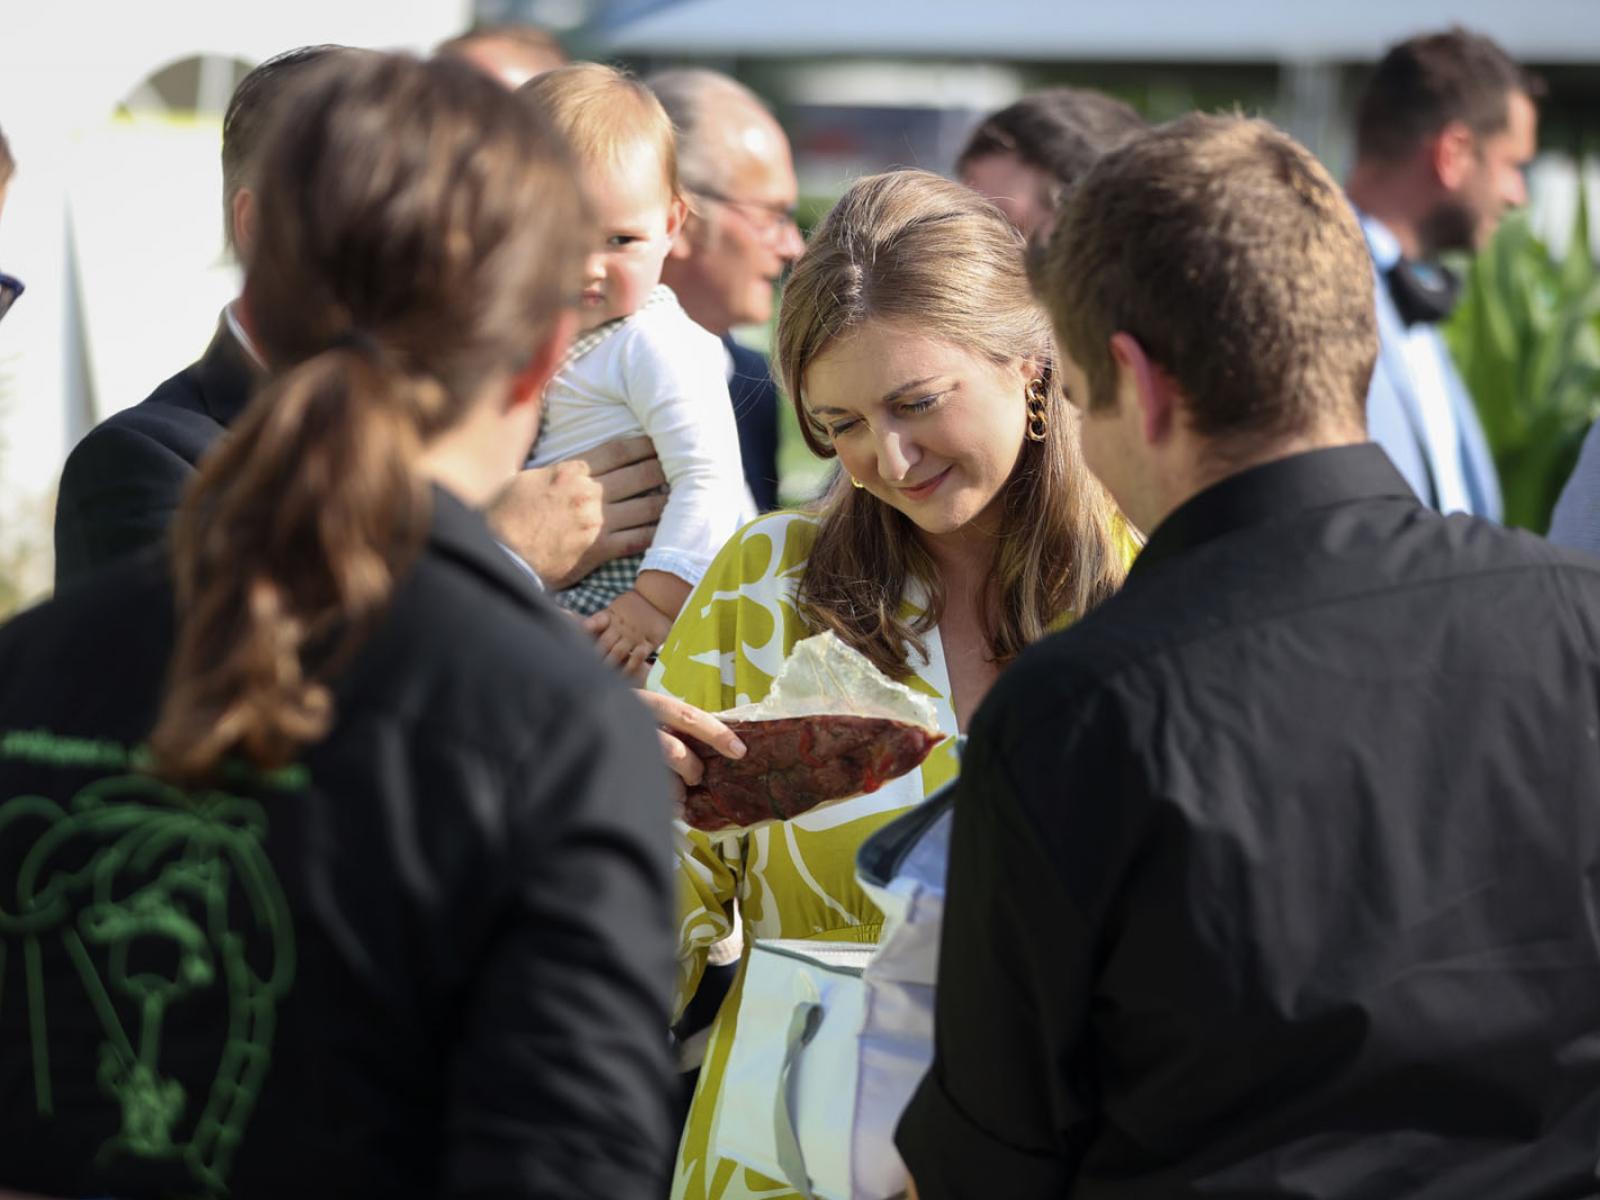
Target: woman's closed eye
(837, 427)
(913, 407)
(909, 408)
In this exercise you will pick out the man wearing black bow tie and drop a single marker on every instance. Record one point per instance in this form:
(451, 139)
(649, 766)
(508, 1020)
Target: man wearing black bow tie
(1443, 131)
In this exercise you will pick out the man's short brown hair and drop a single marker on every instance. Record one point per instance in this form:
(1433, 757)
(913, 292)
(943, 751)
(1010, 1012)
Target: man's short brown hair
(1231, 255)
(249, 116)
(1426, 82)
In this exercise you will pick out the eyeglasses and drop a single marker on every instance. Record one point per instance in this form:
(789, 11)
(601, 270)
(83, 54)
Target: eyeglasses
(770, 221)
(10, 288)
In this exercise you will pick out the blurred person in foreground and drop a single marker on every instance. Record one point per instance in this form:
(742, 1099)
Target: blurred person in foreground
(739, 237)
(1274, 875)
(511, 54)
(334, 863)
(1025, 156)
(1444, 129)
(121, 484)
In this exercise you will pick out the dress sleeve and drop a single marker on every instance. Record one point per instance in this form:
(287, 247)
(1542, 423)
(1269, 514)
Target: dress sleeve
(677, 388)
(724, 649)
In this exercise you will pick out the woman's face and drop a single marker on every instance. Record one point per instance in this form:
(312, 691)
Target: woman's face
(926, 427)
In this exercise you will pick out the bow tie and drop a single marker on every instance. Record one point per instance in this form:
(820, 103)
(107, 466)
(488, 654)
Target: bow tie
(1423, 292)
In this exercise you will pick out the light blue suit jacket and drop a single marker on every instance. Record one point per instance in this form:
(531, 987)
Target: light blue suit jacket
(1576, 521)
(1394, 414)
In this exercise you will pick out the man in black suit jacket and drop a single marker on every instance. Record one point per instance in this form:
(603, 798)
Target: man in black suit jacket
(122, 483)
(755, 409)
(736, 243)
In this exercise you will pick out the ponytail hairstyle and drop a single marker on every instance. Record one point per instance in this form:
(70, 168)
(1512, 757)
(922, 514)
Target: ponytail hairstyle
(419, 234)
(919, 251)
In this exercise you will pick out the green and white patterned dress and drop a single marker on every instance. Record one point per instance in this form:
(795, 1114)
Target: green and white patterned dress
(792, 879)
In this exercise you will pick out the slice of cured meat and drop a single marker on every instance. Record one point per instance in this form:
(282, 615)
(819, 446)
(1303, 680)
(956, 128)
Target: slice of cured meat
(793, 764)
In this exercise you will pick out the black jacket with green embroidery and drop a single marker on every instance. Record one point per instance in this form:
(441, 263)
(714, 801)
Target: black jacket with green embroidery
(434, 958)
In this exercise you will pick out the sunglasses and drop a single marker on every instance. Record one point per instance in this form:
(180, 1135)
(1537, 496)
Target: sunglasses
(10, 289)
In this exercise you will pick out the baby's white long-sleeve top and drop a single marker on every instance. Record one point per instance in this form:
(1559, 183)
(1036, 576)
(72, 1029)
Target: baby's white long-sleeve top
(664, 376)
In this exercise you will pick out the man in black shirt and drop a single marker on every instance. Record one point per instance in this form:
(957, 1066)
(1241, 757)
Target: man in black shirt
(1276, 875)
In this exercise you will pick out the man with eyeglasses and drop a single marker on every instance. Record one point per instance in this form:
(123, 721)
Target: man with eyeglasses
(739, 238)
(10, 288)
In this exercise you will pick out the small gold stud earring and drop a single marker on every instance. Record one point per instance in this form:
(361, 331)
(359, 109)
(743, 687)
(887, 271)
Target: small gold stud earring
(856, 482)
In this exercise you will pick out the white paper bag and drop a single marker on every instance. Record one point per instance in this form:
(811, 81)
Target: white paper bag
(787, 1094)
(834, 1037)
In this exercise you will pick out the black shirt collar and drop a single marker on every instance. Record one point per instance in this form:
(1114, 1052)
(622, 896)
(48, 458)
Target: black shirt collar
(1277, 489)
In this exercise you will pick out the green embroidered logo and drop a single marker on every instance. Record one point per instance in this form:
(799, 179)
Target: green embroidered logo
(155, 896)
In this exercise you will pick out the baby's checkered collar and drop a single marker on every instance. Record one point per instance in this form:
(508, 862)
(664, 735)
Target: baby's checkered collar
(585, 342)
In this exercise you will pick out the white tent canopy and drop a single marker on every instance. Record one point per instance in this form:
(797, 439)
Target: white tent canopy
(1074, 30)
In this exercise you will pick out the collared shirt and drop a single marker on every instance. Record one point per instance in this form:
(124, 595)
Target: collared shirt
(1425, 352)
(1275, 876)
(242, 336)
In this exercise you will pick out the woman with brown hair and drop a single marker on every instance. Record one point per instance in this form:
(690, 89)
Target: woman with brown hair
(378, 904)
(962, 527)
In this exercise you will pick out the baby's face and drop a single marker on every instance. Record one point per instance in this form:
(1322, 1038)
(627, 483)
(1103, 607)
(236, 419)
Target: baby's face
(638, 220)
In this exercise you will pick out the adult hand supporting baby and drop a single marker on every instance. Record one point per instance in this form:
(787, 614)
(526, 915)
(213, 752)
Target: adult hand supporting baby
(565, 520)
(625, 470)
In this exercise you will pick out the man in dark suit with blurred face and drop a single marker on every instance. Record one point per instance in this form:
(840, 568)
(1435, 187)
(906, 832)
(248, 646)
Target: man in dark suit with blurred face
(740, 236)
(122, 482)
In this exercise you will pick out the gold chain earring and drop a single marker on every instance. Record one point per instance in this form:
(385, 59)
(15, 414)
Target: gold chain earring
(856, 482)
(1038, 415)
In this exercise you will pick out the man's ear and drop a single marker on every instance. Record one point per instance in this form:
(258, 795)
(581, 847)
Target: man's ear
(683, 233)
(242, 216)
(1452, 154)
(677, 213)
(528, 384)
(1152, 390)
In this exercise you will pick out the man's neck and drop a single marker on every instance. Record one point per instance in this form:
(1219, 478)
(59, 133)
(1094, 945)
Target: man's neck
(1212, 460)
(684, 286)
(1392, 202)
(244, 329)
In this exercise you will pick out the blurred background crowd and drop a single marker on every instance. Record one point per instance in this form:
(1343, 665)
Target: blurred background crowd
(115, 112)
